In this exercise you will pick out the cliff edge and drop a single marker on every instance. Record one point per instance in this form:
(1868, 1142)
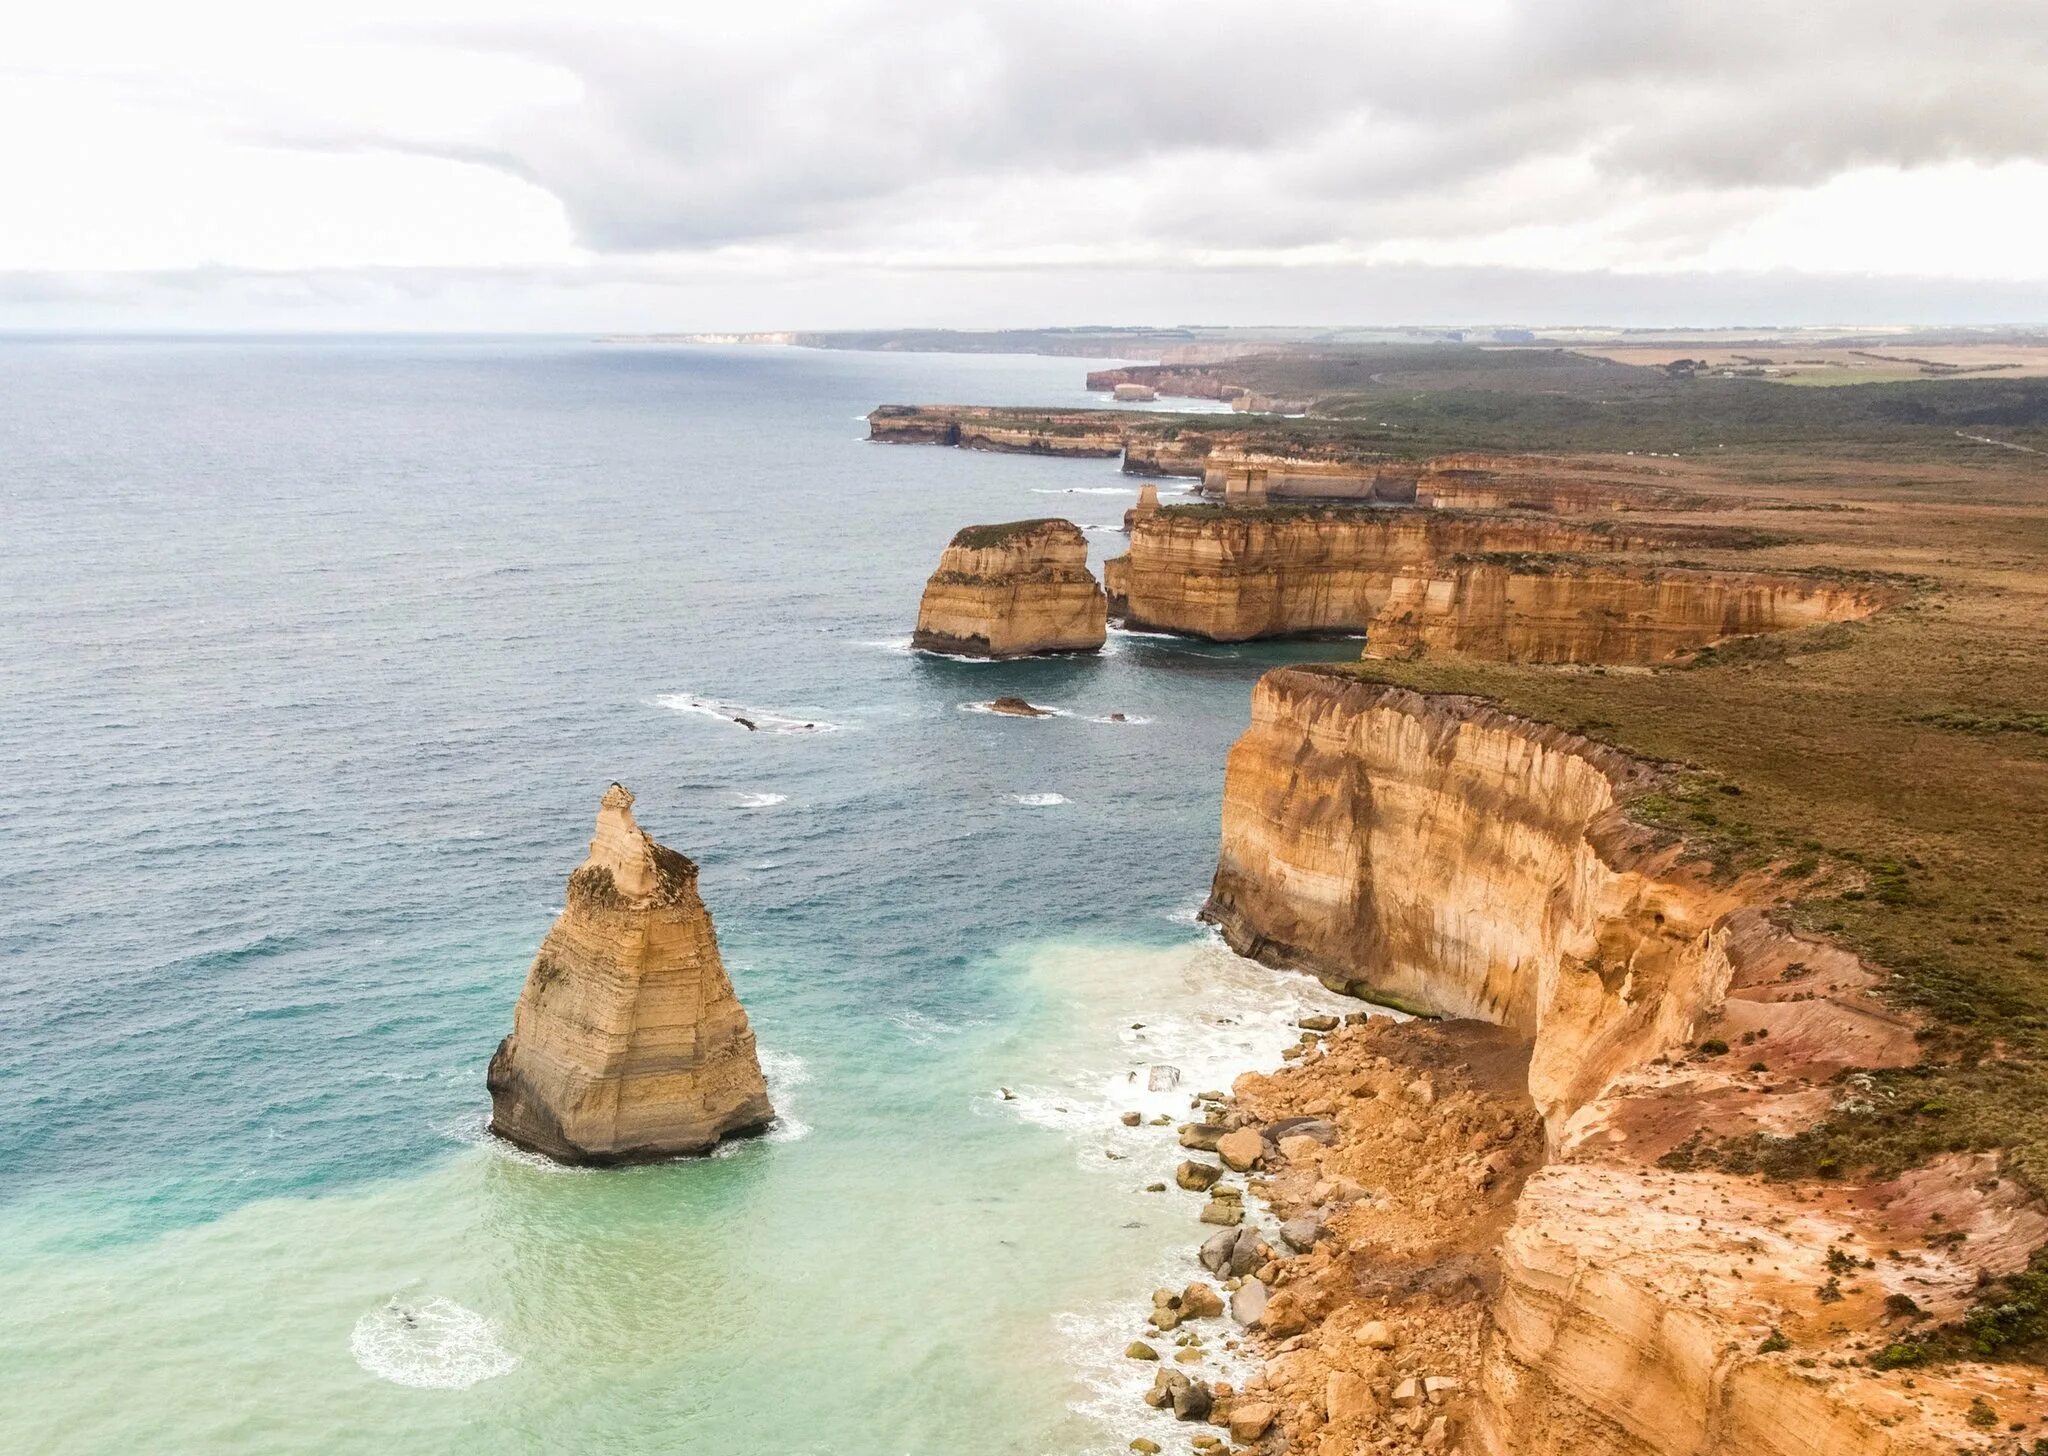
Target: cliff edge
(628, 1044)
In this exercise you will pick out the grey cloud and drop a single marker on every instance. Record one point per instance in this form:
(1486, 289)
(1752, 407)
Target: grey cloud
(1214, 125)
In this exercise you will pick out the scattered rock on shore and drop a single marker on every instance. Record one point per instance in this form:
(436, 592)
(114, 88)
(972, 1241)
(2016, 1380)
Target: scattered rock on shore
(1197, 1177)
(1201, 1136)
(1241, 1149)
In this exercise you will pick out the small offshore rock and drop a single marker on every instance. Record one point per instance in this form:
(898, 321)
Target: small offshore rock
(1162, 1078)
(1197, 1177)
(1139, 1350)
(1132, 1119)
(1144, 1447)
(1201, 1136)
(1018, 708)
(1199, 1301)
(1155, 1187)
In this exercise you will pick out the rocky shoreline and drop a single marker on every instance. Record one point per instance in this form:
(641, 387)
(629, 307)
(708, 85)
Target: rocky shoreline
(1386, 1158)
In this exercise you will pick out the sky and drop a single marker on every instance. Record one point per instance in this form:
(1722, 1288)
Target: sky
(613, 165)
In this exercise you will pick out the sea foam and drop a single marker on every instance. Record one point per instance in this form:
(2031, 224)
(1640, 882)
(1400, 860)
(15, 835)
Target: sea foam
(438, 1345)
(764, 720)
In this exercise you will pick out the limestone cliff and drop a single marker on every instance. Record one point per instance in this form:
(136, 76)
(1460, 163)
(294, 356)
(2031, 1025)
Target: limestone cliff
(1082, 433)
(1013, 590)
(1438, 853)
(1234, 575)
(1571, 612)
(628, 1043)
(1178, 455)
(1476, 482)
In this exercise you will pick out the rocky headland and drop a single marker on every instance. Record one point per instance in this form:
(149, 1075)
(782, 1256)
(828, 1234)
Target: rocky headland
(628, 1044)
(1013, 590)
(1494, 1236)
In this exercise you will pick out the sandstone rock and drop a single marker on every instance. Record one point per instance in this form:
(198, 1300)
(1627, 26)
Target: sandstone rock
(1317, 1023)
(1409, 1392)
(1297, 1149)
(1197, 1177)
(1284, 1315)
(1346, 1397)
(628, 1043)
(1131, 1119)
(1216, 1250)
(1438, 1435)
(1299, 1234)
(1320, 1128)
(1375, 1335)
(1249, 1254)
(1013, 590)
(1223, 1211)
(1201, 1136)
(1240, 1150)
(1139, 1350)
(1250, 1421)
(1199, 1301)
(1248, 1302)
(1144, 1447)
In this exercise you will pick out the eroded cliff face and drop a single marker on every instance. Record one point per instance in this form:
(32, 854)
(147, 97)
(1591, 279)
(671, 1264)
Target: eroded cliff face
(1438, 853)
(1234, 575)
(628, 1043)
(1567, 612)
(1013, 590)
(1088, 434)
(1479, 482)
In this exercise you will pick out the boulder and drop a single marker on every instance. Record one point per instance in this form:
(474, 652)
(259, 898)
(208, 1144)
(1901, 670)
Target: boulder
(1132, 1119)
(1018, 708)
(1225, 1211)
(1250, 1421)
(1283, 1315)
(1250, 1253)
(1409, 1393)
(1199, 1301)
(1162, 1078)
(1240, 1150)
(1197, 1177)
(1139, 1350)
(1317, 1023)
(1321, 1129)
(1201, 1136)
(1217, 1249)
(1299, 1234)
(1305, 1150)
(1375, 1335)
(1144, 1447)
(1346, 1397)
(1248, 1302)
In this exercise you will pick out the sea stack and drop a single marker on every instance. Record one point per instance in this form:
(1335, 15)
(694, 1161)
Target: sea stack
(1012, 590)
(628, 1044)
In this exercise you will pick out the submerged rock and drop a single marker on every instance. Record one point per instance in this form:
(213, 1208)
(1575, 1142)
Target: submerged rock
(628, 1043)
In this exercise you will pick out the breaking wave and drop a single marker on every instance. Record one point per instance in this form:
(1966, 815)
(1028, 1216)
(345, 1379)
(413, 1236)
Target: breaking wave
(438, 1345)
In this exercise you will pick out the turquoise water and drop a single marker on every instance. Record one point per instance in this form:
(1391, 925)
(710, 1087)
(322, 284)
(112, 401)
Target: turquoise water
(318, 656)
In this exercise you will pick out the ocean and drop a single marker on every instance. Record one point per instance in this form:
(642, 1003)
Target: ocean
(318, 655)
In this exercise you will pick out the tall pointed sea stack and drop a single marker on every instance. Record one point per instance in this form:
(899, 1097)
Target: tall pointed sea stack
(628, 1043)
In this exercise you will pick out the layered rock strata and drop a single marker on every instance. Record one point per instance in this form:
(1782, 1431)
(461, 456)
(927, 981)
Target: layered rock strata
(628, 1043)
(1434, 851)
(1539, 611)
(1013, 590)
(1234, 575)
(1083, 433)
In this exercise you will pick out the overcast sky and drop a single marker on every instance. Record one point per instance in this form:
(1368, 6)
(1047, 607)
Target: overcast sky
(606, 164)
